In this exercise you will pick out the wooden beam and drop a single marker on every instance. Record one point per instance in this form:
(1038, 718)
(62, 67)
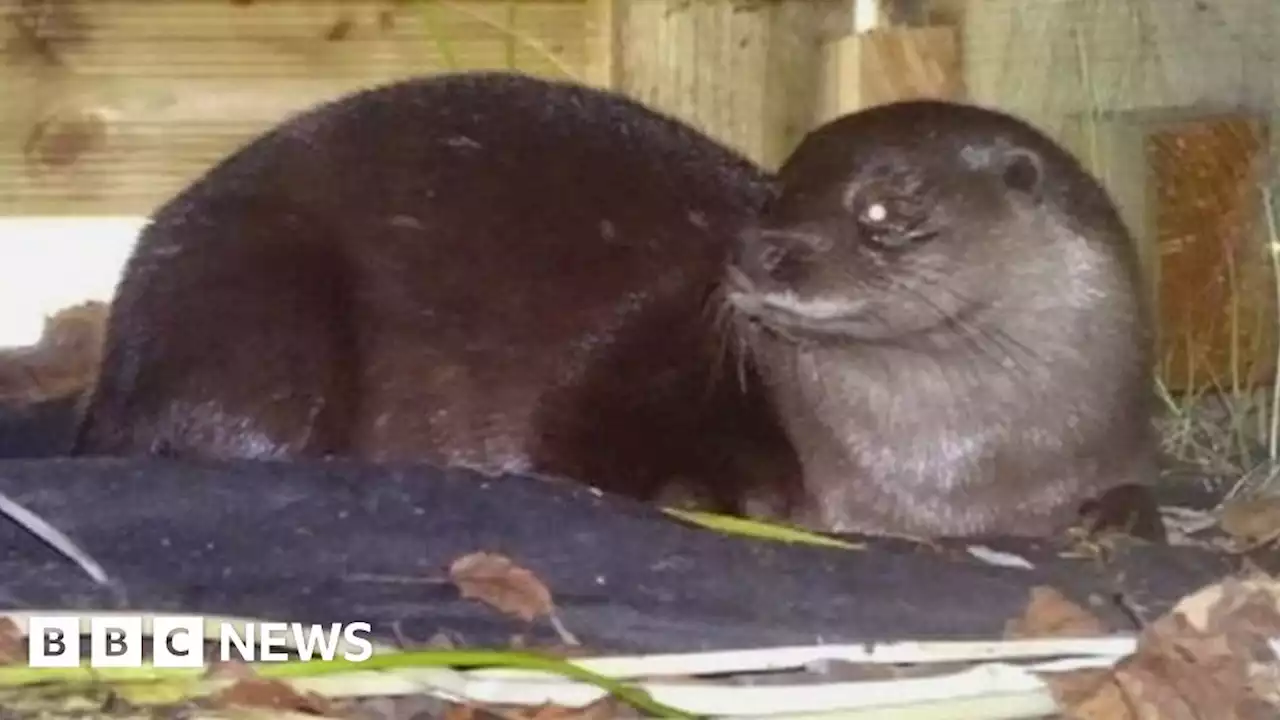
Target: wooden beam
(603, 18)
(890, 64)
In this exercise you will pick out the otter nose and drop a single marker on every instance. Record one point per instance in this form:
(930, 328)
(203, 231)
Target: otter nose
(776, 253)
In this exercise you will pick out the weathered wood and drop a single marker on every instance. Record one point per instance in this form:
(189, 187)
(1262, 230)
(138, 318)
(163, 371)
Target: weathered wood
(1082, 56)
(889, 64)
(736, 70)
(603, 25)
(119, 103)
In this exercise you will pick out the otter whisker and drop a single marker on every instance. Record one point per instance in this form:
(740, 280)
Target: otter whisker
(729, 345)
(713, 307)
(740, 335)
(998, 337)
(992, 344)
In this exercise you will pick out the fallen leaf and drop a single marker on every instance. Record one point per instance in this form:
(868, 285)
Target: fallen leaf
(270, 694)
(1251, 522)
(605, 708)
(13, 644)
(459, 712)
(1049, 613)
(498, 582)
(1086, 692)
(733, 525)
(1208, 657)
(63, 361)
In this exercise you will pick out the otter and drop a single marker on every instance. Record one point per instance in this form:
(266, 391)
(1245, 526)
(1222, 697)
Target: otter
(946, 309)
(926, 323)
(487, 269)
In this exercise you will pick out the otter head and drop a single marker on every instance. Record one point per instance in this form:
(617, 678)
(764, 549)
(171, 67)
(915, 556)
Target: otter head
(894, 222)
(946, 306)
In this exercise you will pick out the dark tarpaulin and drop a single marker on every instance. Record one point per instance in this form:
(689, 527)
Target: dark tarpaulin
(342, 541)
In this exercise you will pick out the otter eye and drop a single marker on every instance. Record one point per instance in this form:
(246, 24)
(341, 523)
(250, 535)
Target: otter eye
(888, 212)
(878, 214)
(893, 222)
(881, 222)
(875, 213)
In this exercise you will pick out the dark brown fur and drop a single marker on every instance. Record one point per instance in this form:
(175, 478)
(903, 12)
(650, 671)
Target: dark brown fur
(486, 270)
(516, 275)
(947, 308)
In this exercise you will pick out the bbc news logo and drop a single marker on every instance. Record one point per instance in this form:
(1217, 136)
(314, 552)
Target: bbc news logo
(179, 641)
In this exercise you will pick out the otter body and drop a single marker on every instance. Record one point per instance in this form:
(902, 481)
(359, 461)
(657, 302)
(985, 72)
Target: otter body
(934, 324)
(486, 270)
(946, 307)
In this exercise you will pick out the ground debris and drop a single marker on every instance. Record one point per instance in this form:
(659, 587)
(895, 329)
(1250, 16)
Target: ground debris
(13, 643)
(1209, 657)
(497, 581)
(273, 695)
(603, 709)
(1049, 613)
(1251, 523)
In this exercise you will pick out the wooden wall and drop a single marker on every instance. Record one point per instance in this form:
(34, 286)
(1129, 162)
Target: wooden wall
(125, 101)
(1216, 298)
(745, 72)
(1172, 104)
(111, 105)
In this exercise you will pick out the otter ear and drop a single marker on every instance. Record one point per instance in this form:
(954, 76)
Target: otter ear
(1022, 171)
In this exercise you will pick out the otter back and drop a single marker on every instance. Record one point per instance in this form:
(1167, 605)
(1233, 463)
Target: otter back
(487, 270)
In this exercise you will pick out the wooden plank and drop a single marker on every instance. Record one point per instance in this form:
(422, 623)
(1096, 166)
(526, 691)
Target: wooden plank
(885, 65)
(730, 69)
(603, 23)
(794, 71)
(122, 102)
(1061, 58)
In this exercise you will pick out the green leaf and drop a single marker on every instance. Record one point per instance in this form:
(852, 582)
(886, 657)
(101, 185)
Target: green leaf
(758, 529)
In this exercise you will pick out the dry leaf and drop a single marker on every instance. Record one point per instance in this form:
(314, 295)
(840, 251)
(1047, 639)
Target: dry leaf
(1253, 522)
(459, 712)
(1209, 657)
(13, 644)
(1050, 614)
(271, 694)
(65, 360)
(1086, 692)
(498, 582)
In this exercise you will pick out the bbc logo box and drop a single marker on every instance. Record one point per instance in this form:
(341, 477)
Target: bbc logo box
(179, 641)
(115, 641)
